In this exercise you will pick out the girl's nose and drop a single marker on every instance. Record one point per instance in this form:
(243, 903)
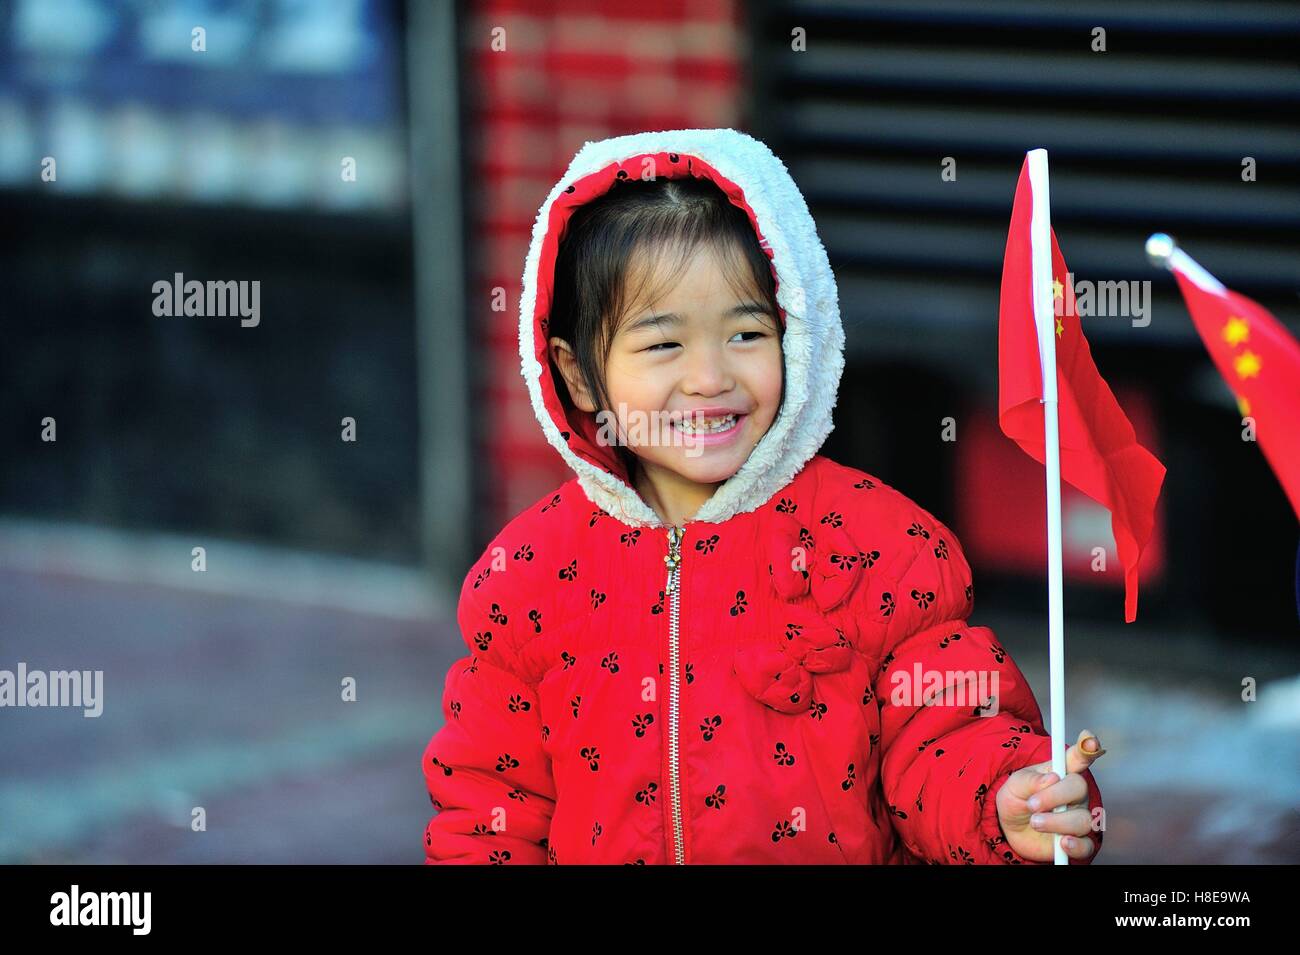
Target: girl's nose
(708, 374)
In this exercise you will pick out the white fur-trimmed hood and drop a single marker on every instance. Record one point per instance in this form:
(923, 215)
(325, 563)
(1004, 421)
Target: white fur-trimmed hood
(813, 341)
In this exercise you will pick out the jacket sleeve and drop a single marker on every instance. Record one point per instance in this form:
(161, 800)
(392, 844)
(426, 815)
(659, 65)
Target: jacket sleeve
(486, 771)
(943, 762)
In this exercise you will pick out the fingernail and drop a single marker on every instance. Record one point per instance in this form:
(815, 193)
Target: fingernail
(1034, 802)
(1036, 821)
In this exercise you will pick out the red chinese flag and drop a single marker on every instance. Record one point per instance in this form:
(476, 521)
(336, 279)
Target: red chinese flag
(1258, 359)
(1099, 452)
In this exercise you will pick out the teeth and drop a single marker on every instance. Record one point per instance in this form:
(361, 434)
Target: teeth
(710, 425)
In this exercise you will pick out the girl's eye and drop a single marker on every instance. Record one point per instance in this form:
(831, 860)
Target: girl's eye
(663, 345)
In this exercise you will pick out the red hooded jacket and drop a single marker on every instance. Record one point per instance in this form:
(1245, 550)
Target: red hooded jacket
(747, 688)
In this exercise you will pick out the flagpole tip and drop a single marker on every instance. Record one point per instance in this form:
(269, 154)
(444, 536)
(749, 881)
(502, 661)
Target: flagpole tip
(1160, 249)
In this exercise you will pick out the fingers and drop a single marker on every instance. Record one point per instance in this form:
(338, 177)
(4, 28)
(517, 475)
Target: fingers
(1040, 790)
(1025, 783)
(1066, 792)
(1072, 822)
(1080, 756)
(1077, 847)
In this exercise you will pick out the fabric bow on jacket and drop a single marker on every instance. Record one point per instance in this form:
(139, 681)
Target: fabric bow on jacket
(826, 565)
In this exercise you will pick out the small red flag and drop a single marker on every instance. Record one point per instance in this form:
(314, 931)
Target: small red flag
(1099, 452)
(1258, 359)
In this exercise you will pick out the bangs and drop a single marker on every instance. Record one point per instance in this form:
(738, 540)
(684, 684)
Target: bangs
(656, 265)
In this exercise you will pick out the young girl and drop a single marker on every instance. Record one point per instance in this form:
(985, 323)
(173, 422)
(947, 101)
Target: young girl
(715, 645)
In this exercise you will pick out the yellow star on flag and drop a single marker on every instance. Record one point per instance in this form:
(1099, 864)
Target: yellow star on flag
(1246, 365)
(1060, 328)
(1243, 406)
(1058, 290)
(1236, 331)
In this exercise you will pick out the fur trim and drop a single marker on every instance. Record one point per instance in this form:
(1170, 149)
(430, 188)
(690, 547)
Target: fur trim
(806, 290)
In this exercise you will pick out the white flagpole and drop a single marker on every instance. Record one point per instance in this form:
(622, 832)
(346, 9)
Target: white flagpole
(1163, 252)
(1045, 320)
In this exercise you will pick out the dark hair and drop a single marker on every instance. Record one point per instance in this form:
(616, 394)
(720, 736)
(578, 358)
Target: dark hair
(671, 216)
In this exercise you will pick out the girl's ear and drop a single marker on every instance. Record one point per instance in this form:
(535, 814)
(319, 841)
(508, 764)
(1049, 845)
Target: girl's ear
(567, 362)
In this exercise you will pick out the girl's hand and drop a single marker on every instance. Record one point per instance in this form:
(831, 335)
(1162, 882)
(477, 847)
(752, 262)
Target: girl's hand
(1031, 793)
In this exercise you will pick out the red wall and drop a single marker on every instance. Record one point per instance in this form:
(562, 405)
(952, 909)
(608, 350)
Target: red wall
(570, 72)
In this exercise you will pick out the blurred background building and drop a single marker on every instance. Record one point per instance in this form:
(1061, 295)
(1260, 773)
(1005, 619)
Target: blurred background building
(377, 166)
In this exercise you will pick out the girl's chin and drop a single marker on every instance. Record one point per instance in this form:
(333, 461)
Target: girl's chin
(705, 468)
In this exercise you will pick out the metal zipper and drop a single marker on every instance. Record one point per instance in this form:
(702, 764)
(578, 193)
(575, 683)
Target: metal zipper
(673, 589)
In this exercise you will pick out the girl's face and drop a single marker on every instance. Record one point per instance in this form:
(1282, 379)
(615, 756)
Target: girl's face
(702, 354)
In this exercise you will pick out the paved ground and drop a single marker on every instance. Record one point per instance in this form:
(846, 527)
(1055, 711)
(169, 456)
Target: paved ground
(233, 703)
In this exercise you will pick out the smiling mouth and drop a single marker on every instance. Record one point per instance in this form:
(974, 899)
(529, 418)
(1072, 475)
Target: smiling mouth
(708, 426)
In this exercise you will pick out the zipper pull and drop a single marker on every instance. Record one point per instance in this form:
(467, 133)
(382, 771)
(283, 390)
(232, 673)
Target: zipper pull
(674, 557)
